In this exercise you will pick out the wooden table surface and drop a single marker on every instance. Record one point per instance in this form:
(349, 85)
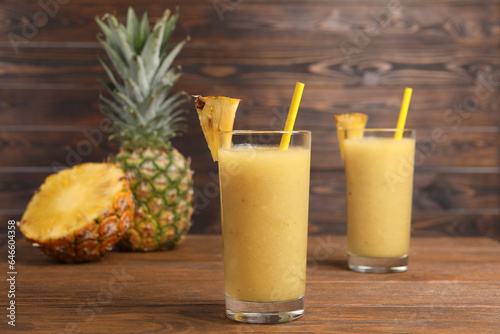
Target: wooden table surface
(452, 286)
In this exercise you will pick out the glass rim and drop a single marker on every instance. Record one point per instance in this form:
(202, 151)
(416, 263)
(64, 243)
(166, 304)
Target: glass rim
(246, 132)
(382, 130)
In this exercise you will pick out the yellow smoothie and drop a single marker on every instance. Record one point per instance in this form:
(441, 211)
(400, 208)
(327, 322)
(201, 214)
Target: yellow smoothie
(379, 183)
(265, 204)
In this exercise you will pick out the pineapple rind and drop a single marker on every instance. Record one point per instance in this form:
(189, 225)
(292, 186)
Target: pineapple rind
(163, 190)
(95, 237)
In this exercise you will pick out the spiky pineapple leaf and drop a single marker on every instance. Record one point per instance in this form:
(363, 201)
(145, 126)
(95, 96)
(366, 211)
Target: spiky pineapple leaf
(142, 103)
(174, 117)
(147, 107)
(109, 87)
(110, 74)
(143, 33)
(171, 76)
(123, 44)
(167, 62)
(172, 111)
(132, 28)
(168, 106)
(133, 89)
(130, 107)
(169, 30)
(138, 74)
(114, 112)
(160, 94)
(105, 29)
(118, 63)
(151, 51)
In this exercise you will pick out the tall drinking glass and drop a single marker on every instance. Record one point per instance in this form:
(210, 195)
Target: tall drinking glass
(265, 204)
(379, 185)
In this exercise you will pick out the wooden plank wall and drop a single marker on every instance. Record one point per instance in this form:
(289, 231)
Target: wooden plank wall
(353, 56)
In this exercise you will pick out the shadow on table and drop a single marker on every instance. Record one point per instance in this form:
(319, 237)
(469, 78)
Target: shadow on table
(327, 265)
(212, 318)
(203, 318)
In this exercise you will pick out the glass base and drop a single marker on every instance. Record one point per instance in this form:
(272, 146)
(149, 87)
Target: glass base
(377, 265)
(264, 313)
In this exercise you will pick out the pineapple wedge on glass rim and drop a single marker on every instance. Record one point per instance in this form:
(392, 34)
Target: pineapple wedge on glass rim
(79, 213)
(349, 121)
(216, 113)
(147, 115)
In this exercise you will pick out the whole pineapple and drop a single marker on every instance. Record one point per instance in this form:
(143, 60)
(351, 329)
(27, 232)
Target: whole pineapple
(146, 117)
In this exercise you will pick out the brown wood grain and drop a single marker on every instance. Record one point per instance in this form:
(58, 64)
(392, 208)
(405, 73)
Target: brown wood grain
(432, 191)
(451, 287)
(469, 22)
(429, 223)
(448, 51)
(247, 65)
(443, 203)
(266, 107)
(448, 223)
(424, 223)
(53, 146)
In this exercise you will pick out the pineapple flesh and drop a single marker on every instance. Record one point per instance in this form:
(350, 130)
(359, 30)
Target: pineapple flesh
(78, 214)
(216, 114)
(355, 121)
(147, 115)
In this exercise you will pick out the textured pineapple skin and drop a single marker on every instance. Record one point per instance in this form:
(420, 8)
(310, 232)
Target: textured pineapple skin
(162, 184)
(98, 236)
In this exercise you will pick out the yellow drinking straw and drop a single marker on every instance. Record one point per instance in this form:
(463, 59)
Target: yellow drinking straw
(402, 113)
(292, 115)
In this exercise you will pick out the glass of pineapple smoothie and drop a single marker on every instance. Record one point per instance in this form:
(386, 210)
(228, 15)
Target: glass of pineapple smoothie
(265, 204)
(379, 184)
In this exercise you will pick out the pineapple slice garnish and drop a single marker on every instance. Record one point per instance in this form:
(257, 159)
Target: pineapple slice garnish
(350, 121)
(216, 114)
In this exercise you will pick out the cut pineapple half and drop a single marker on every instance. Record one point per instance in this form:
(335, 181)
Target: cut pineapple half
(349, 121)
(216, 114)
(79, 213)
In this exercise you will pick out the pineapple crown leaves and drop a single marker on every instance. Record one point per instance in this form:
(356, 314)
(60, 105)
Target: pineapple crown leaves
(144, 110)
